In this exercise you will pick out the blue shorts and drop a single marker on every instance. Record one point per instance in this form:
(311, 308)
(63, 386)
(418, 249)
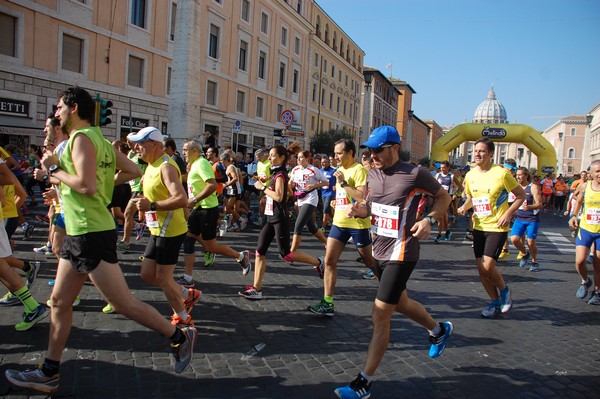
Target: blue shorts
(585, 238)
(361, 237)
(59, 220)
(521, 226)
(327, 204)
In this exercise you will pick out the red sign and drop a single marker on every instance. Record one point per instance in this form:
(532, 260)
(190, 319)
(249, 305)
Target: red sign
(287, 117)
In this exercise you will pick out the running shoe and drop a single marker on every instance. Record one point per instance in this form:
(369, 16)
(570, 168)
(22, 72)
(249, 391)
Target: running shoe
(51, 282)
(520, 255)
(323, 308)
(448, 235)
(245, 263)
(505, 300)
(28, 232)
(234, 227)
(438, 344)
(183, 353)
(595, 298)
(44, 250)
(573, 234)
(243, 222)
(209, 259)
(33, 379)
(31, 275)
(181, 280)
(178, 321)
(320, 268)
(139, 231)
(582, 292)
(491, 311)
(369, 275)
(504, 255)
(31, 319)
(9, 299)
(524, 259)
(43, 218)
(534, 267)
(357, 389)
(469, 235)
(251, 293)
(122, 246)
(438, 238)
(108, 309)
(193, 297)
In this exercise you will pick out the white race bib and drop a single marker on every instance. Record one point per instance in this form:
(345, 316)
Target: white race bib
(269, 207)
(385, 220)
(592, 216)
(151, 219)
(482, 206)
(341, 199)
(511, 197)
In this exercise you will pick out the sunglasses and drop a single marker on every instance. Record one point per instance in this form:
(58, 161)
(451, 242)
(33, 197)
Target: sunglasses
(379, 150)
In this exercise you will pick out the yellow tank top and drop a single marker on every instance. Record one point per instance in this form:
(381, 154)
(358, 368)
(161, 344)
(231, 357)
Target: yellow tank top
(170, 223)
(9, 209)
(590, 216)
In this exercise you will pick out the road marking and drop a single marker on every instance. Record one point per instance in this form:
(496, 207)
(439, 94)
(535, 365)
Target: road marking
(563, 244)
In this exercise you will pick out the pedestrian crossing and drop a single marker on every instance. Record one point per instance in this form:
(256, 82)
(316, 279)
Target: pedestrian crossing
(563, 244)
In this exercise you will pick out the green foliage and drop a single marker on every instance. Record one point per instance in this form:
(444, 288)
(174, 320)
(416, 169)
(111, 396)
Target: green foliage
(323, 142)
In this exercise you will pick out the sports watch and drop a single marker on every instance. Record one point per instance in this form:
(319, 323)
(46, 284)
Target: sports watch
(430, 219)
(53, 169)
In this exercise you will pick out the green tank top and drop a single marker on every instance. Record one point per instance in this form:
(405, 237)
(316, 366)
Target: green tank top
(88, 214)
(170, 223)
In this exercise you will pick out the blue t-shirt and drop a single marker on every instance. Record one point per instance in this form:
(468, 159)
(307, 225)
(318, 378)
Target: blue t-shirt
(328, 191)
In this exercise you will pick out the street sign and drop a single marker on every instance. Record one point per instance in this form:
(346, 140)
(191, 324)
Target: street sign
(237, 126)
(295, 127)
(287, 117)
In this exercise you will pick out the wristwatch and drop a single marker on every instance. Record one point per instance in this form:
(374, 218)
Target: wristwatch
(430, 219)
(344, 183)
(45, 178)
(153, 206)
(53, 169)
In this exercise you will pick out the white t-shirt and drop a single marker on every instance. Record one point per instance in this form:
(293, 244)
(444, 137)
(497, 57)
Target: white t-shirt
(302, 178)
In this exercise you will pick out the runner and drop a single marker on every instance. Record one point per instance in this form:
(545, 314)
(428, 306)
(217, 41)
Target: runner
(392, 185)
(86, 173)
(527, 220)
(162, 202)
(446, 179)
(547, 191)
(487, 187)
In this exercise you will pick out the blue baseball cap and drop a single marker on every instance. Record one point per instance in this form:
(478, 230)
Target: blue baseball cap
(382, 135)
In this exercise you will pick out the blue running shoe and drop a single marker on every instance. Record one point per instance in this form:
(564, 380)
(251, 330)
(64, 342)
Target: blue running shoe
(524, 260)
(358, 389)
(438, 344)
(491, 311)
(534, 267)
(505, 300)
(448, 235)
(595, 298)
(583, 289)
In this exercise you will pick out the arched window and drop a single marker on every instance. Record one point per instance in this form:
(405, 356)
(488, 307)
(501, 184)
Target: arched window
(571, 153)
(326, 33)
(318, 26)
(334, 41)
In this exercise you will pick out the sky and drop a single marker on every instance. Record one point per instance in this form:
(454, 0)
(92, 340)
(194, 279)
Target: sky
(541, 56)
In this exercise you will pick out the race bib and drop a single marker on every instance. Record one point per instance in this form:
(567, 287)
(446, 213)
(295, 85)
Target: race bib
(341, 199)
(592, 216)
(560, 193)
(445, 187)
(511, 197)
(151, 219)
(482, 207)
(190, 193)
(385, 220)
(269, 207)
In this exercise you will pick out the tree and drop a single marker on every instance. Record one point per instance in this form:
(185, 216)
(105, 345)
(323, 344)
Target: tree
(323, 142)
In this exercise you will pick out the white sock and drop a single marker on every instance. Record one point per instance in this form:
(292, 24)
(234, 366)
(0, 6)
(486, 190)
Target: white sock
(365, 376)
(187, 277)
(185, 293)
(183, 315)
(436, 331)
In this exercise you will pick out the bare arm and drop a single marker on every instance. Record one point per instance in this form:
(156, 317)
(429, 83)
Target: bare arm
(6, 176)
(422, 228)
(177, 197)
(128, 170)
(211, 187)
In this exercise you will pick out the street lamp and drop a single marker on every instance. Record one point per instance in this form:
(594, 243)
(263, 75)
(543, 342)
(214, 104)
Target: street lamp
(561, 149)
(589, 118)
(368, 79)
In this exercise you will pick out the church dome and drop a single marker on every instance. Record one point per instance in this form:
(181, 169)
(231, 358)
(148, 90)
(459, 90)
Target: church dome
(490, 110)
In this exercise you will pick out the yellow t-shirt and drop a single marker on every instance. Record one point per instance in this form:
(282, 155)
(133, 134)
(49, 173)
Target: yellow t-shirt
(356, 176)
(489, 192)
(590, 215)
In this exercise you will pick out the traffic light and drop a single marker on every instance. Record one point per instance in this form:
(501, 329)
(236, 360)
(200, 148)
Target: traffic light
(103, 111)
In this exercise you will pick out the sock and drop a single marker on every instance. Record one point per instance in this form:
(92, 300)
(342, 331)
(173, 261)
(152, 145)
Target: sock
(25, 225)
(177, 337)
(185, 293)
(187, 277)
(29, 303)
(183, 315)
(328, 299)
(366, 376)
(27, 266)
(50, 367)
(239, 259)
(49, 244)
(437, 331)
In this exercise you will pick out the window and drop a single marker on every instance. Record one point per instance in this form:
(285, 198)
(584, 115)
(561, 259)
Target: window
(332, 71)
(312, 123)
(8, 35)
(337, 109)
(316, 60)
(297, 45)
(243, 55)
(571, 153)
(264, 23)
(279, 112)
(262, 61)
(72, 50)
(322, 97)
(213, 42)
(138, 13)
(299, 6)
(330, 100)
(573, 131)
(324, 66)
(173, 19)
(295, 79)
(211, 93)
(169, 71)
(135, 75)
(260, 105)
(240, 104)
(314, 93)
(282, 67)
(284, 35)
(246, 10)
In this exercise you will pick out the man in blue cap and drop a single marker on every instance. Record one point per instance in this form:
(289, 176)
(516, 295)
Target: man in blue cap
(394, 186)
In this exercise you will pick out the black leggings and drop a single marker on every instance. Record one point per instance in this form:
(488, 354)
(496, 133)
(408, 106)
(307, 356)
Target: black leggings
(559, 202)
(280, 231)
(305, 219)
(31, 183)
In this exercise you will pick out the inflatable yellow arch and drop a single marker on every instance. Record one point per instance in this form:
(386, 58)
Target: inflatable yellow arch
(523, 134)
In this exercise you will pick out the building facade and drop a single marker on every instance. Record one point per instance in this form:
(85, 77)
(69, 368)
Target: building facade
(380, 102)
(567, 136)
